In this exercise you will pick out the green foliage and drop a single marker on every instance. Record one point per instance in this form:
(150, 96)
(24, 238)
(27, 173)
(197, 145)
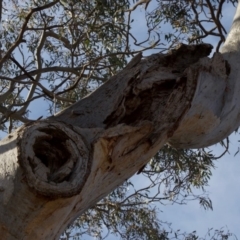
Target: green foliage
(131, 212)
(59, 51)
(190, 21)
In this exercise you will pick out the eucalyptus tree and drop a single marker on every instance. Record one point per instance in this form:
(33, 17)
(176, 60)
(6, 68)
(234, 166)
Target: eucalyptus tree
(107, 119)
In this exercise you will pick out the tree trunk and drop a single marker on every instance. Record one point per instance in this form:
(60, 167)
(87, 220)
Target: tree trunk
(54, 170)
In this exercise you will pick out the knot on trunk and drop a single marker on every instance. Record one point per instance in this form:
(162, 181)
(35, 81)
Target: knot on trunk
(54, 158)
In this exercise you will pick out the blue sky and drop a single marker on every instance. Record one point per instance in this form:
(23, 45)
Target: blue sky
(224, 191)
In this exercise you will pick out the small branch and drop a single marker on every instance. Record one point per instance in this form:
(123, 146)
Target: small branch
(5, 95)
(24, 26)
(13, 114)
(216, 20)
(146, 2)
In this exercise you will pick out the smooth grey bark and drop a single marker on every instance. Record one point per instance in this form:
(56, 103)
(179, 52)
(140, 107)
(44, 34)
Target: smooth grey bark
(54, 170)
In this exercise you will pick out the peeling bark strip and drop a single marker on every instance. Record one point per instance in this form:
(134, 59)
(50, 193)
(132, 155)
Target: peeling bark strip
(204, 124)
(54, 158)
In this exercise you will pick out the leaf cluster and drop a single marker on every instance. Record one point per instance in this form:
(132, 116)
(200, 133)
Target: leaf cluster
(132, 210)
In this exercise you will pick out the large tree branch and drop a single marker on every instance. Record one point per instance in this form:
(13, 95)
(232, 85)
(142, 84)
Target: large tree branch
(76, 158)
(58, 168)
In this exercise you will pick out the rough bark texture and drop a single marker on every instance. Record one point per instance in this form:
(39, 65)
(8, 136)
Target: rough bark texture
(53, 170)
